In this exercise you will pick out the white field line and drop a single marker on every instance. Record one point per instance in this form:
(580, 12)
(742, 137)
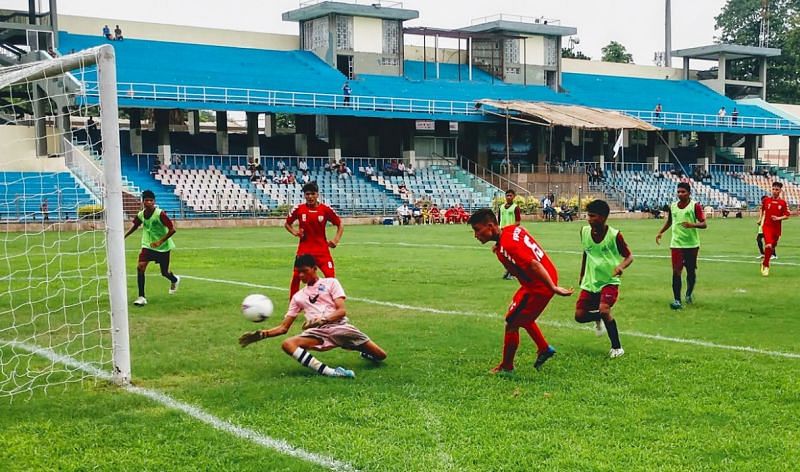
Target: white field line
(424, 309)
(193, 411)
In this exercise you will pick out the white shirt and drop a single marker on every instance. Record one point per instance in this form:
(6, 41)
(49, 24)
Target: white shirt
(302, 165)
(318, 300)
(403, 210)
(281, 165)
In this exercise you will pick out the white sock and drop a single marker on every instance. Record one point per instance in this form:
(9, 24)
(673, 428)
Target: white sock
(307, 360)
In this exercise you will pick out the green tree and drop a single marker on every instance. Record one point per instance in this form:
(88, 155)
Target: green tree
(616, 52)
(573, 54)
(739, 22)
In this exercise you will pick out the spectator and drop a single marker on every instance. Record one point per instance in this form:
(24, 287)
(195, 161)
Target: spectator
(344, 171)
(304, 178)
(436, 214)
(409, 169)
(548, 211)
(721, 116)
(505, 165)
(426, 214)
(331, 166)
(51, 52)
(280, 165)
(346, 91)
(657, 111)
(735, 116)
(416, 213)
(118, 34)
(401, 168)
(402, 189)
(404, 214)
(93, 135)
(369, 171)
(451, 215)
(302, 164)
(45, 209)
(461, 215)
(566, 213)
(107, 33)
(395, 167)
(291, 179)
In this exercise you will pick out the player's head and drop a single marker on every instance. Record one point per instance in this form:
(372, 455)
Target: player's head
(684, 191)
(484, 225)
(148, 199)
(306, 268)
(311, 192)
(510, 196)
(777, 188)
(597, 212)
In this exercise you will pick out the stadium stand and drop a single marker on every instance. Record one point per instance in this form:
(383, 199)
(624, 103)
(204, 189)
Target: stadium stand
(63, 193)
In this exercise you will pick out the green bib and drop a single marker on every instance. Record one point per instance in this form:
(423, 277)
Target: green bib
(601, 259)
(154, 230)
(683, 237)
(507, 216)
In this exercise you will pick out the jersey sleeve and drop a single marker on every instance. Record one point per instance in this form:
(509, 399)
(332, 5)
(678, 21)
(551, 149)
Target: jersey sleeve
(698, 212)
(333, 217)
(336, 290)
(786, 211)
(294, 307)
(293, 215)
(517, 214)
(622, 246)
(166, 221)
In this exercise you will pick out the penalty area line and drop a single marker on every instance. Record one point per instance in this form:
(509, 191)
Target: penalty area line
(557, 324)
(165, 400)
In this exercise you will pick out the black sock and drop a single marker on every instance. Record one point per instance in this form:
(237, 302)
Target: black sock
(140, 282)
(613, 334)
(760, 242)
(170, 276)
(676, 286)
(691, 277)
(590, 316)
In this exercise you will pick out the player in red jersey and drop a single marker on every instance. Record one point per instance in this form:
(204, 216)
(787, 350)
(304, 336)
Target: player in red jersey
(312, 217)
(774, 210)
(521, 255)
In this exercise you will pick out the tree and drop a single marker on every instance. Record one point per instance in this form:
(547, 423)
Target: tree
(573, 54)
(739, 22)
(615, 52)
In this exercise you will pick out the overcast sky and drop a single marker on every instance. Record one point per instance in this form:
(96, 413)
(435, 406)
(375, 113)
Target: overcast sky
(637, 24)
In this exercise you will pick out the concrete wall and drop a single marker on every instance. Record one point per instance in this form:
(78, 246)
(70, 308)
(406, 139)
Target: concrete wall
(370, 63)
(533, 50)
(18, 151)
(367, 34)
(624, 70)
(446, 55)
(180, 34)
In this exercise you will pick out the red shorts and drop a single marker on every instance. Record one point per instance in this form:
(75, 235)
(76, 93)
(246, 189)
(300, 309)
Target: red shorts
(526, 307)
(324, 264)
(684, 257)
(591, 300)
(149, 255)
(771, 238)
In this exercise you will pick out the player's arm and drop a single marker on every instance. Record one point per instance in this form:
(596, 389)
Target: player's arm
(583, 268)
(785, 214)
(337, 314)
(622, 248)
(336, 221)
(517, 216)
(699, 216)
(542, 274)
(134, 226)
(170, 226)
(254, 336)
(289, 224)
(664, 228)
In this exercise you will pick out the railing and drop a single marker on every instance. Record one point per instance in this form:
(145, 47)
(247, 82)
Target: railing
(267, 162)
(373, 3)
(87, 171)
(490, 177)
(707, 120)
(516, 18)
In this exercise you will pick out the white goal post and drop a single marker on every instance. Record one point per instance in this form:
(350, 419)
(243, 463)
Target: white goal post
(63, 287)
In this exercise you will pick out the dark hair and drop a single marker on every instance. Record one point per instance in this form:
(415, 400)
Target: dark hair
(777, 184)
(305, 260)
(483, 216)
(685, 185)
(148, 194)
(598, 207)
(311, 187)
(511, 191)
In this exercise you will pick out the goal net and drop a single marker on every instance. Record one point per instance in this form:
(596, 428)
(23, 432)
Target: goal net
(63, 314)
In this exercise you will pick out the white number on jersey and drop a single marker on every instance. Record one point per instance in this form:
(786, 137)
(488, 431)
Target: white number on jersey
(537, 251)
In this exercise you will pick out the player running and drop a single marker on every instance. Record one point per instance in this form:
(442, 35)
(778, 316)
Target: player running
(312, 217)
(760, 234)
(521, 255)
(685, 218)
(605, 257)
(509, 214)
(774, 210)
(157, 243)
(326, 326)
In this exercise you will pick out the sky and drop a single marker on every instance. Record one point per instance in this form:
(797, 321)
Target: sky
(637, 24)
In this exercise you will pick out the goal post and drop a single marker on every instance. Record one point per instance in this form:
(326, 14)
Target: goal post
(63, 282)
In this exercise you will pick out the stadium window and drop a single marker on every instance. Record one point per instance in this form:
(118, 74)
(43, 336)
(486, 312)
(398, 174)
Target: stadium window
(391, 37)
(511, 51)
(390, 61)
(344, 33)
(319, 27)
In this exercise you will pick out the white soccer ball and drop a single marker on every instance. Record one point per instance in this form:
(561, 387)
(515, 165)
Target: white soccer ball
(257, 307)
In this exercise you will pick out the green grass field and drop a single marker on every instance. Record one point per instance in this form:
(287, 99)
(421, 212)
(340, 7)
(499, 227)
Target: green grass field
(685, 396)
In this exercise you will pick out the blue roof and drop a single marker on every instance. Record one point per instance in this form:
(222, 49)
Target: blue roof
(186, 71)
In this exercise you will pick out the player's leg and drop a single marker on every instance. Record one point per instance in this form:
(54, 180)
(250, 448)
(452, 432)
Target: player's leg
(770, 241)
(298, 346)
(294, 286)
(587, 310)
(760, 242)
(527, 320)
(141, 268)
(163, 262)
(510, 345)
(608, 297)
(371, 351)
(677, 269)
(690, 262)
(325, 265)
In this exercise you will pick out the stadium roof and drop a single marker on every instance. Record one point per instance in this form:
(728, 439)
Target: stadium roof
(499, 26)
(571, 116)
(375, 10)
(731, 51)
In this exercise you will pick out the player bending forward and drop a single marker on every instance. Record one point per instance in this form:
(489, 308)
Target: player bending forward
(605, 257)
(326, 326)
(522, 256)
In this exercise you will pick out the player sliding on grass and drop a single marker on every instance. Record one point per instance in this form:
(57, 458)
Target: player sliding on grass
(156, 243)
(605, 257)
(685, 217)
(326, 326)
(522, 256)
(773, 210)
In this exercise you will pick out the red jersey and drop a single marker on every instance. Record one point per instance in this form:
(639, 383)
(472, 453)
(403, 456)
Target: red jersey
(773, 207)
(312, 222)
(516, 250)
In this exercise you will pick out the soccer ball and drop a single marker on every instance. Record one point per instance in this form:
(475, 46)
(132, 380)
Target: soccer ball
(256, 307)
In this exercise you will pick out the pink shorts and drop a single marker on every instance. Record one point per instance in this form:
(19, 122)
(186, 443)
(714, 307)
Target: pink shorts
(333, 335)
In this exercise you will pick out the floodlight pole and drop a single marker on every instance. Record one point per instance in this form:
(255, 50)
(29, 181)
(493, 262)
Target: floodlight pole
(115, 246)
